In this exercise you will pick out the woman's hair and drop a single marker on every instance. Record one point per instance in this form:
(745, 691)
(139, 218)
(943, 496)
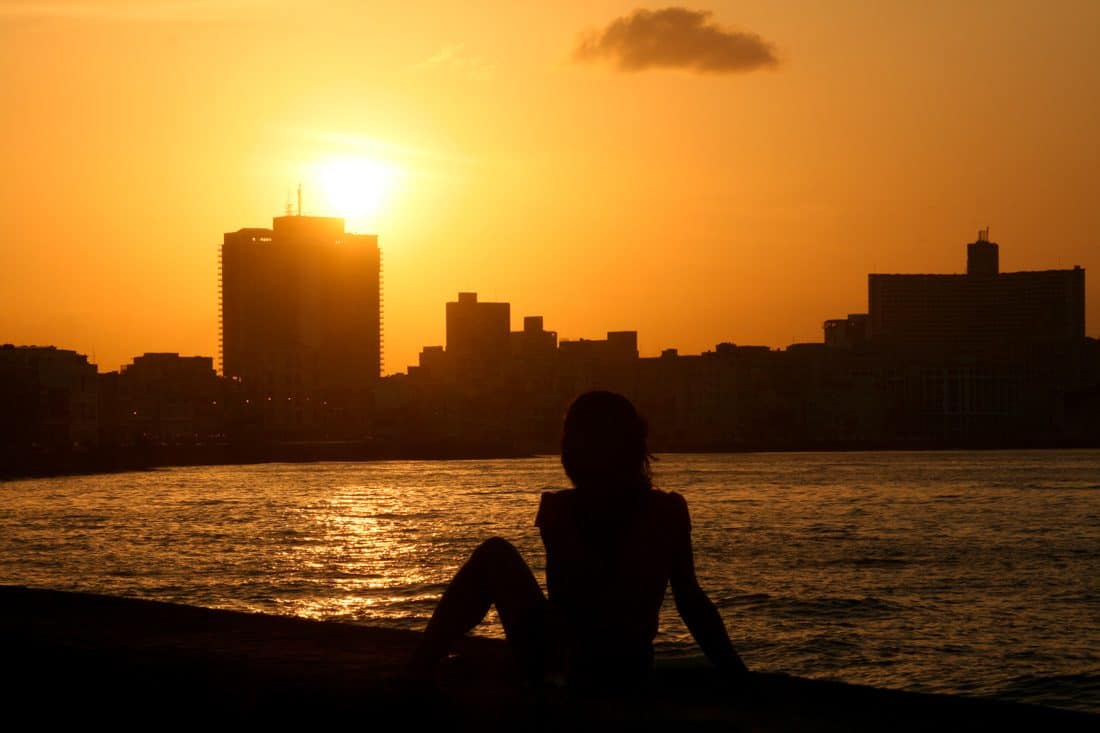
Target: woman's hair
(603, 446)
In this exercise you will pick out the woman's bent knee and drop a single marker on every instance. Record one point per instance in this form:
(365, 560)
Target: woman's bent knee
(496, 547)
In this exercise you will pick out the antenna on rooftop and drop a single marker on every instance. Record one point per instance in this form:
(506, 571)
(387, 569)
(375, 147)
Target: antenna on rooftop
(299, 199)
(289, 206)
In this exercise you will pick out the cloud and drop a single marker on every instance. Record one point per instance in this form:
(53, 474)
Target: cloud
(675, 38)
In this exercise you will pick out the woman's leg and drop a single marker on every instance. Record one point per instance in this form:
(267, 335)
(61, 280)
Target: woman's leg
(494, 575)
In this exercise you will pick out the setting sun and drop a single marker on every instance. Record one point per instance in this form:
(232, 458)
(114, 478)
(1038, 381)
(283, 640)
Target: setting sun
(354, 188)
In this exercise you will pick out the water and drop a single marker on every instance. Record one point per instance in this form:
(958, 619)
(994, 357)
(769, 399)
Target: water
(971, 573)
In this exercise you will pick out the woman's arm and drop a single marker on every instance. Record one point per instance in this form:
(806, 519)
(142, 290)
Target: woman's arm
(699, 613)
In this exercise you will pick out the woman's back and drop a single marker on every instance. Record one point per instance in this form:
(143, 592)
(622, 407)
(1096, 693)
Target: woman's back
(607, 572)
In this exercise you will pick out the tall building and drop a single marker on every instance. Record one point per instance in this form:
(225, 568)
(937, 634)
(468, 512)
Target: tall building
(982, 310)
(301, 315)
(477, 333)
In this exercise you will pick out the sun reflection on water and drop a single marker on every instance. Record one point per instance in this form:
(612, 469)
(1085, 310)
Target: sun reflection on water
(868, 567)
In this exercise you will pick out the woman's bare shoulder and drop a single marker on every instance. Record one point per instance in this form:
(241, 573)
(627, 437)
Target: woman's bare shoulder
(672, 507)
(552, 505)
(668, 498)
(558, 496)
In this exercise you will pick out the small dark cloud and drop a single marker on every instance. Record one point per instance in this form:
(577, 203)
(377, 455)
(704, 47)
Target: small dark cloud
(675, 38)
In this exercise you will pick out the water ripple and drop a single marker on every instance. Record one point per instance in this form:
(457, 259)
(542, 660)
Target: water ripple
(976, 573)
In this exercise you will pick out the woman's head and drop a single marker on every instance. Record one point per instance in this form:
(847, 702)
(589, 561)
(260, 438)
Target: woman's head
(603, 446)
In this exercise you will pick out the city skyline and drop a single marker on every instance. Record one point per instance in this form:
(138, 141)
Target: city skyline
(538, 165)
(648, 346)
(985, 358)
(982, 258)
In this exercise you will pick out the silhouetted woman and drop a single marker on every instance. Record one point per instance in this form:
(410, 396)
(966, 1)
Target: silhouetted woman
(613, 544)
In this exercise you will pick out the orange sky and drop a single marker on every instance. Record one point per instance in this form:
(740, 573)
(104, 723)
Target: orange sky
(693, 207)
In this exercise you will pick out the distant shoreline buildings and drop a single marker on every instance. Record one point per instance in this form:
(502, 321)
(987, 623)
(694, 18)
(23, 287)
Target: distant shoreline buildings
(979, 311)
(982, 359)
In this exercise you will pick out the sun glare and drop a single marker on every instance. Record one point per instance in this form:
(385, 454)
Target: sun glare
(355, 189)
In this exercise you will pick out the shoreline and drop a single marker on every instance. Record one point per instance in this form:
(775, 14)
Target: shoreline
(89, 463)
(108, 657)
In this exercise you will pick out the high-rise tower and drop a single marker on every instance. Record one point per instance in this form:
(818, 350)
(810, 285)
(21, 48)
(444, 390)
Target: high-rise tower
(301, 316)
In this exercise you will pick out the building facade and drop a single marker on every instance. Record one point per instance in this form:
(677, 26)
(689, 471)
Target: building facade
(163, 398)
(49, 398)
(302, 319)
(982, 311)
(478, 334)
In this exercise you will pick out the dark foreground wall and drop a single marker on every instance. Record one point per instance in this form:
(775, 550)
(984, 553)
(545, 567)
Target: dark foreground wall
(84, 658)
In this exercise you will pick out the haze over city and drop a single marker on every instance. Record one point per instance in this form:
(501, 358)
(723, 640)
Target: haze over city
(737, 189)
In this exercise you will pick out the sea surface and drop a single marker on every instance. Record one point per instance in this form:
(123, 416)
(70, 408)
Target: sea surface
(972, 573)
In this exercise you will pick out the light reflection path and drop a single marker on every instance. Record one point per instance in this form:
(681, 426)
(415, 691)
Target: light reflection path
(956, 572)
